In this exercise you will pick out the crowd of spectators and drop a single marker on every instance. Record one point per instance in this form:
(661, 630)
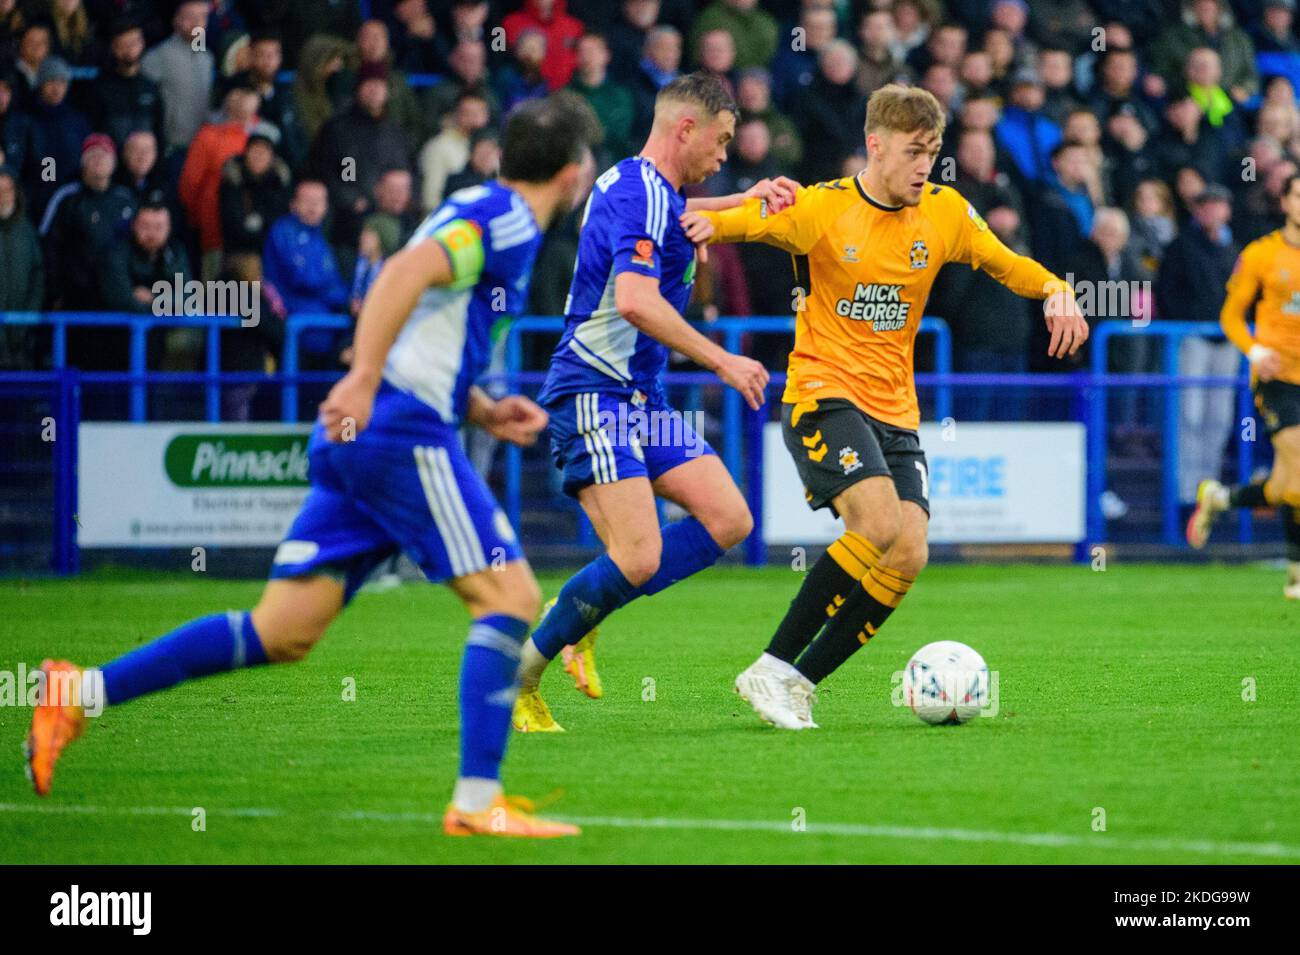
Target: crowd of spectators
(299, 142)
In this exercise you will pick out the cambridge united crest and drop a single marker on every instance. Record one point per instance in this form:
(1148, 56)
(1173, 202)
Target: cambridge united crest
(920, 254)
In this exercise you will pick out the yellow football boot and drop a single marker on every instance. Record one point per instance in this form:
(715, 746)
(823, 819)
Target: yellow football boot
(580, 659)
(532, 715)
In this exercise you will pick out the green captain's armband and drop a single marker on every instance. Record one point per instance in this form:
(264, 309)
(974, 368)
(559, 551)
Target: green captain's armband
(463, 242)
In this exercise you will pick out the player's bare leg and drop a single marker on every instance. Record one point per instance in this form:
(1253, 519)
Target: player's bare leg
(624, 517)
(293, 613)
(704, 488)
(510, 589)
(290, 617)
(910, 551)
(871, 508)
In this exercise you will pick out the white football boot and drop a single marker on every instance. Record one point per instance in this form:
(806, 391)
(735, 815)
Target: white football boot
(1292, 589)
(1211, 501)
(803, 696)
(765, 685)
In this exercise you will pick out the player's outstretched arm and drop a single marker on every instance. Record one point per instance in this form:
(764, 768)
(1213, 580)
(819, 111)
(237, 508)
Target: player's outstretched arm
(977, 246)
(639, 301)
(345, 412)
(794, 228)
(778, 192)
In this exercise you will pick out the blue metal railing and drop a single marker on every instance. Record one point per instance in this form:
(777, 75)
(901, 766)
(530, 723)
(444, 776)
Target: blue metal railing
(138, 327)
(139, 377)
(740, 428)
(294, 326)
(1173, 334)
(61, 389)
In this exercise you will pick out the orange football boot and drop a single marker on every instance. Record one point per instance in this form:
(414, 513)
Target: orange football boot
(56, 722)
(507, 816)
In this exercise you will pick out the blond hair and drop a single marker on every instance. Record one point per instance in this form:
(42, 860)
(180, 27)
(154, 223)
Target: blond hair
(904, 109)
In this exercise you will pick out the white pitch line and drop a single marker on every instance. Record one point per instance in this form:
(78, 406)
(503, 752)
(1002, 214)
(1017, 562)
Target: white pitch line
(1050, 840)
(57, 810)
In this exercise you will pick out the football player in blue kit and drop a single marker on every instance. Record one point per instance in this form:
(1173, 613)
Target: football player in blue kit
(613, 434)
(388, 473)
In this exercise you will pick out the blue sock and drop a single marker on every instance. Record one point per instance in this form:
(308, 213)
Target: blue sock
(585, 600)
(688, 548)
(213, 644)
(488, 678)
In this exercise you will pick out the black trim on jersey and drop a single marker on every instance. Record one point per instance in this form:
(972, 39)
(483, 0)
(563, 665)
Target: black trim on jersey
(879, 205)
(803, 276)
(935, 190)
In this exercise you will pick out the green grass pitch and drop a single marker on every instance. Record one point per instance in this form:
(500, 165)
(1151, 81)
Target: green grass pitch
(1124, 693)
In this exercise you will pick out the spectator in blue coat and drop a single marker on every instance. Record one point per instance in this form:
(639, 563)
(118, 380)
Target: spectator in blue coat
(1024, 133)
(299, 264)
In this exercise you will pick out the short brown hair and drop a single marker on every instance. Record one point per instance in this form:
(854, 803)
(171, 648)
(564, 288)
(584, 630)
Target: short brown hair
(904, 109)
(700, 89)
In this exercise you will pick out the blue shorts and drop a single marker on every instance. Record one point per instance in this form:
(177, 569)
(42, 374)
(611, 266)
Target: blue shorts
(395, 488)
(600, 437)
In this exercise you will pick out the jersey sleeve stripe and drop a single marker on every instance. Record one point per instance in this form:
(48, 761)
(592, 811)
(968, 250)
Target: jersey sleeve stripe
(662, 224)
(508, 240)
(649, 202)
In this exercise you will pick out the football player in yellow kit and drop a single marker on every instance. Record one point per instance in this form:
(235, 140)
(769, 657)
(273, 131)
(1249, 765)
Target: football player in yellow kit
(1267, 275)
(867, 249)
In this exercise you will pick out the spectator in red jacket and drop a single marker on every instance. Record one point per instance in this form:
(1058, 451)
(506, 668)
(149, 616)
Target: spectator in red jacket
(561, 30)
(200, 185)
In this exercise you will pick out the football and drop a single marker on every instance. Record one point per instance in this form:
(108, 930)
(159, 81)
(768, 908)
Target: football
(946, 682)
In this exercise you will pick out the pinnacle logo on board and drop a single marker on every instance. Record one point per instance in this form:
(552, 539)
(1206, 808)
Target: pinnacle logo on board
(237, 460)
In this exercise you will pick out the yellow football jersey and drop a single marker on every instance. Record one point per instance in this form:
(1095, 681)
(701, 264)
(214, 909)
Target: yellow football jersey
(866, 270)
(1267, 274)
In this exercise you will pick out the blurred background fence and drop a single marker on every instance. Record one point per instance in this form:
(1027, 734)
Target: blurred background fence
(136, 464)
